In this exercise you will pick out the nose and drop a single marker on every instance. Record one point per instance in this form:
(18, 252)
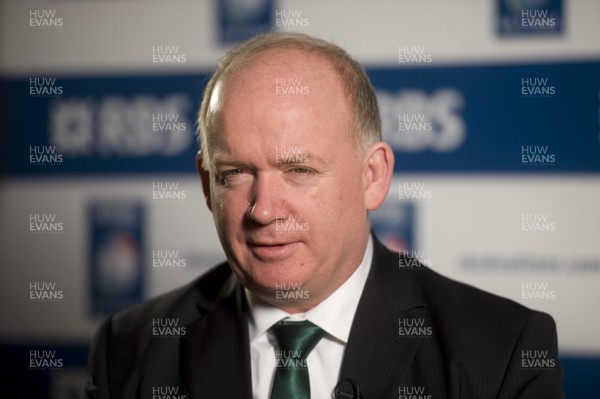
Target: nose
(267, 199)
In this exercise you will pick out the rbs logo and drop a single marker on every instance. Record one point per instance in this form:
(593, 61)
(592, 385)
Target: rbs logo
(117, 126)
(414, 121)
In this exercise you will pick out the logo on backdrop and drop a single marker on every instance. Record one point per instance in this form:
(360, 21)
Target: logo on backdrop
(529, 17)
(116, 260)
(241, 19)
(414, 121)
(394, 223)
(119, 126)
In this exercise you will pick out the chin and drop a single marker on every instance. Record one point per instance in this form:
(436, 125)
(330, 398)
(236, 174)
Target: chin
(272, 281)
(268, 276)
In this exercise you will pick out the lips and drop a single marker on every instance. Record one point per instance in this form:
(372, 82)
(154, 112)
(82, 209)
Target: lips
(272, 251)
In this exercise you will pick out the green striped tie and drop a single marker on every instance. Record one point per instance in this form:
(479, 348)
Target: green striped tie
(295, 340)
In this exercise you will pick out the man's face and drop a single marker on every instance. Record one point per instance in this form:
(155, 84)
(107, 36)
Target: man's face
(286, 183)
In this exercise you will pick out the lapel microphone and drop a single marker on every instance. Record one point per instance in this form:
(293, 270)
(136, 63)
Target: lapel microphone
(347, 389)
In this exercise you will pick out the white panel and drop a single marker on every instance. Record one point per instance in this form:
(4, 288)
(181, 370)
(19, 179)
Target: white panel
(467, 220)
(109, 36)
(183, 225)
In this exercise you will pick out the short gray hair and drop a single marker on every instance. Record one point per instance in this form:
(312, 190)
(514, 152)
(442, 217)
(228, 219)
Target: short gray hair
(363, 101)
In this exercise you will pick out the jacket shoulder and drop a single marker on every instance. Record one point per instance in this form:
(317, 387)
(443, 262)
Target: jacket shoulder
(485, 338)
(181, 303)
(459, 303)
(461, 313)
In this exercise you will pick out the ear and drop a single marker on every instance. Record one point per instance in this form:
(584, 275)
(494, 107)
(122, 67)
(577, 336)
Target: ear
(205, 177)
(378, 167)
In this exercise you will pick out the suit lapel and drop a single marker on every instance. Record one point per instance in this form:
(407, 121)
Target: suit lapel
(216, 354)
(377, 357)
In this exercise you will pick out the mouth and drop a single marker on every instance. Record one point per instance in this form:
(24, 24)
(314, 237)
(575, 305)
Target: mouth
(272, 251)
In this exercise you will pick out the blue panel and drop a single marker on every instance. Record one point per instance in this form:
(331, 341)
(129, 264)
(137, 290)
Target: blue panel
(20, 381)
(540, 118)
(581, 377)
(500, 123)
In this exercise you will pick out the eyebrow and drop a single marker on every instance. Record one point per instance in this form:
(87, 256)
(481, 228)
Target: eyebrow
(223, 159)
(312, 159)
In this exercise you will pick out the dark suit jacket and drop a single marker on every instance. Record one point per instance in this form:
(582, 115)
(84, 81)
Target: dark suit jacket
(467, 343)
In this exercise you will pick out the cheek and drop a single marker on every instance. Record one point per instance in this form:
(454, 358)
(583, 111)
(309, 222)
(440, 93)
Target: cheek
(229, 207)
(323, 211)
(348, 190)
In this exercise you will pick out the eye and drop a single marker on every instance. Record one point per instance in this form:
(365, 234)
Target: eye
(231, 172)
(230, 177)
(302, 170)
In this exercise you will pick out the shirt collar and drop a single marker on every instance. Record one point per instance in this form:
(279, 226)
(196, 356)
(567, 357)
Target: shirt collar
(334, 315)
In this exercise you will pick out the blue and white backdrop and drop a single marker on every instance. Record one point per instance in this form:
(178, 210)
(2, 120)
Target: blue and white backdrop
(492, 108)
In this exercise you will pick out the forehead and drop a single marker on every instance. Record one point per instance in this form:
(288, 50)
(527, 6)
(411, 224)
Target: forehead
(266, 63)
(288, 76)
(281, 87)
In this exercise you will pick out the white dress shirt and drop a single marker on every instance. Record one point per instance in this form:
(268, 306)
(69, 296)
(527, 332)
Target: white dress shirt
(334, 315)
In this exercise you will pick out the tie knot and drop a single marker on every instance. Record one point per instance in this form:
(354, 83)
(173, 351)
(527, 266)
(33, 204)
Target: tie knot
(297, 336)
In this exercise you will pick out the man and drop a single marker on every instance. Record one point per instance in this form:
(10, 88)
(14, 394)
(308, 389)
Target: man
(291, 163)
